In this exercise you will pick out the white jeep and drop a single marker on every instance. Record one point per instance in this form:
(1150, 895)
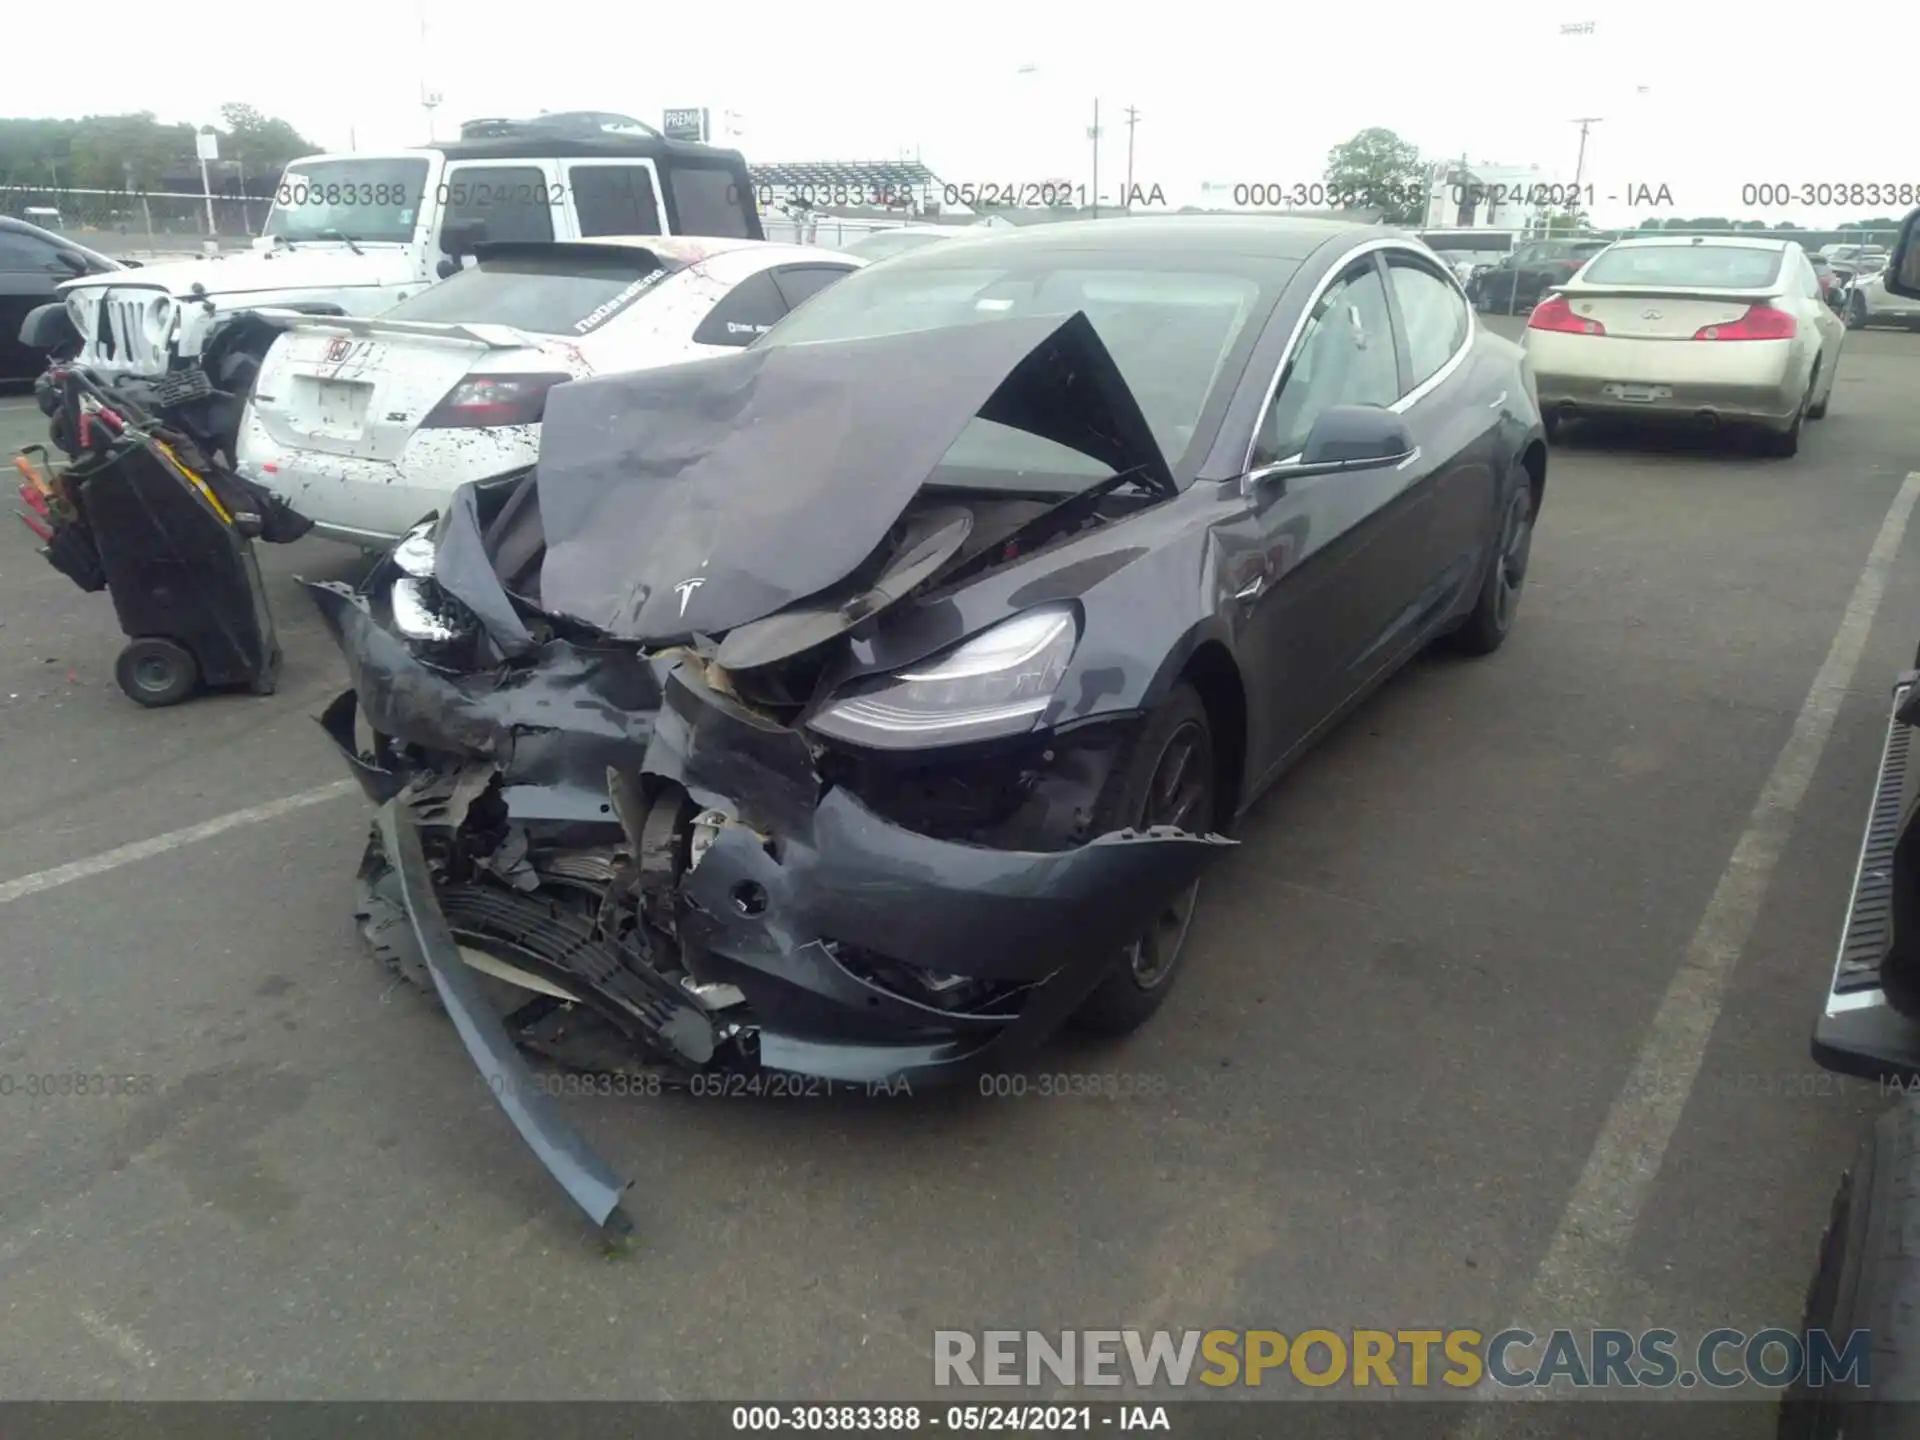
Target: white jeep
(354, 234)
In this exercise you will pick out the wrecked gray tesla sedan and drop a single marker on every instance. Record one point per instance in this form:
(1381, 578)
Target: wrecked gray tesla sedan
(867, 704)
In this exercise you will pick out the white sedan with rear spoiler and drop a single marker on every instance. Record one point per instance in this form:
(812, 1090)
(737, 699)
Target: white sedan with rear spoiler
(1712, 329)
(366, 425)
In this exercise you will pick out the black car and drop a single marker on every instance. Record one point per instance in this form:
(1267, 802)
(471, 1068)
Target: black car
(32, 262)
(1519, 281)
(861, 707)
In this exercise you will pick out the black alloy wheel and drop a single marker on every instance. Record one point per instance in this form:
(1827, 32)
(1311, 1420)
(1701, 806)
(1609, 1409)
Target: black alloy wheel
(1166, 778)
(1491, 619)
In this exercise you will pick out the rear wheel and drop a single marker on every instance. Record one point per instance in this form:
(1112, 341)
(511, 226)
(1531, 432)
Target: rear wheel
(1785, 443)
(1857, 312)
(1487, 625)
(1165, 778)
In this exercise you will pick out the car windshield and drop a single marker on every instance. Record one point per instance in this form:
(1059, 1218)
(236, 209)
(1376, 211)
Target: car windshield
(370, 199)
(1713, 267)
(1173, 332)
(551, 293)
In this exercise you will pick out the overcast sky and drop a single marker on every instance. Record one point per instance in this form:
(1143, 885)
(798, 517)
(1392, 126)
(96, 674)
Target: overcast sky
(1227, 92)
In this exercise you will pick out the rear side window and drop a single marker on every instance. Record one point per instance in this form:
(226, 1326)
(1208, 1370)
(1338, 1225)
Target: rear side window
(710, 201)
(1713, 267)
(798, 282)
(1434, 315)
(514, 202)
(554, 294)
(751, 308)
(614, 200)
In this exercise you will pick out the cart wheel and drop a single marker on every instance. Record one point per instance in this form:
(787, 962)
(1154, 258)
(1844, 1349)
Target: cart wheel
(156, 672)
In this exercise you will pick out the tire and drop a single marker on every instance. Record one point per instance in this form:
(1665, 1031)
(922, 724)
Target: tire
(156, 672)
(1786, 443)
(1856, 313)
(1144, 972)
(1867, 1277)
(382, 919)
(1490, 621)
(1817, 411)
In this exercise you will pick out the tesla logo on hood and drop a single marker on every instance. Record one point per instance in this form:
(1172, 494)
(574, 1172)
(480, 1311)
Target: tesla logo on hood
(337, 348)
(685, 590)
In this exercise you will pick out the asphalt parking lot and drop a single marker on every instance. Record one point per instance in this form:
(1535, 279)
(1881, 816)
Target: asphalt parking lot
(1392, 1089)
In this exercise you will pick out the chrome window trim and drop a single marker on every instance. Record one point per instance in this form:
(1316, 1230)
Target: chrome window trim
(1420, 254)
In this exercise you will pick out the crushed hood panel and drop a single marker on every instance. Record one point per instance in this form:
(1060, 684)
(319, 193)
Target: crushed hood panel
(699, 497)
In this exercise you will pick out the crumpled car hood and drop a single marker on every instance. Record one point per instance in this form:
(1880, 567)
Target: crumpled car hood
(695, 498)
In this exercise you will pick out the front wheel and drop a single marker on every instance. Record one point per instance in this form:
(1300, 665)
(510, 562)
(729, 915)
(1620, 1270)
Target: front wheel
(1166, 777)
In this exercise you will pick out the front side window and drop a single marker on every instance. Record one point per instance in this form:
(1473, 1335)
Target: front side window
(363, 200)
(1344, 357)
(514, 202)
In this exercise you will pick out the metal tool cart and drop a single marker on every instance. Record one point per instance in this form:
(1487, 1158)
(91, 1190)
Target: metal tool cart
(140, 513)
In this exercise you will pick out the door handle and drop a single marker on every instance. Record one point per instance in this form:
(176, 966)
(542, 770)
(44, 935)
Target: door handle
(1496, 404)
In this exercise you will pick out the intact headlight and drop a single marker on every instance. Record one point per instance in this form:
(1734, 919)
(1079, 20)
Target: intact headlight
(995, 684)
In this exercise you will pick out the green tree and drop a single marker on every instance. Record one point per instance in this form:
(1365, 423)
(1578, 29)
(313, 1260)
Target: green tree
(1652, 222)
(1384, 172)
(260, 142)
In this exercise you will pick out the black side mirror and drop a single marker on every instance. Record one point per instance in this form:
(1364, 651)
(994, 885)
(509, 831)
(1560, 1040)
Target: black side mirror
(447, 267)
(70, 260)
(458, 237)
(48, 327)
(1348, 437)
(1903, 270)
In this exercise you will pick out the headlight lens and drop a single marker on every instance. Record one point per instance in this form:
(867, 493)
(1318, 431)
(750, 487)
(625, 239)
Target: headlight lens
(420, 610)
(415, 553)
(995, 684)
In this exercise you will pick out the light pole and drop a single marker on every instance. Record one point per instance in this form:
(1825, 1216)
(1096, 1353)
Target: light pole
(1126, 199)
(1093, 134)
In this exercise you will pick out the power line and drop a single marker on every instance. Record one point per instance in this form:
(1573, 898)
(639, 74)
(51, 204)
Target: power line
(1133, 119)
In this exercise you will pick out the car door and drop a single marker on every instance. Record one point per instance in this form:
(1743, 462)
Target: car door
(30, 267)
(1336, 559)
(1455, 411)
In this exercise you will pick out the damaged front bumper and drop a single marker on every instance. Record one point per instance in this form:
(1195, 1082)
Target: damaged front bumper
(777, 913)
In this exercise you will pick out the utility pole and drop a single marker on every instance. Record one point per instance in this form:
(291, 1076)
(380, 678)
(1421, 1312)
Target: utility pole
(1585, 123)
(1093, 134)
(1133, 119)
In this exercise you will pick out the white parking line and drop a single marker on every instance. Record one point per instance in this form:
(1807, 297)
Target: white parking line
(11, 890)
(1588, 1250)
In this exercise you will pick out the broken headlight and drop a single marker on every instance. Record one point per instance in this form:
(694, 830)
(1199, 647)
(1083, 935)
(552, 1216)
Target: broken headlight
(995, 684)
(421, 610)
